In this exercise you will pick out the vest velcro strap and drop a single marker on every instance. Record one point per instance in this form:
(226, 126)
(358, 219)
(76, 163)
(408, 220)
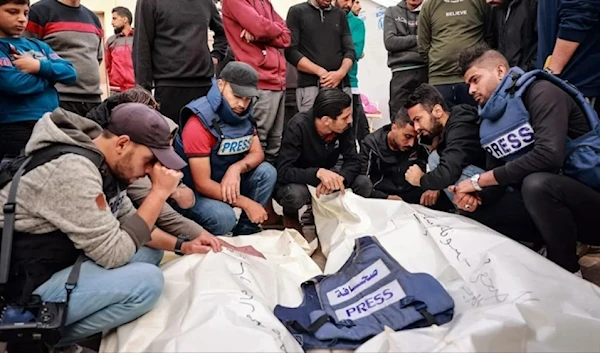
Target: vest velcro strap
(428, 316)
(312, 328)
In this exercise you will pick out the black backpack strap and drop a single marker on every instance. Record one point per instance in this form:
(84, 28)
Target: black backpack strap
(9, 210)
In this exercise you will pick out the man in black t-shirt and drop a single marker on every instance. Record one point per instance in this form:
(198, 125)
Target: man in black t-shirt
(562, 208)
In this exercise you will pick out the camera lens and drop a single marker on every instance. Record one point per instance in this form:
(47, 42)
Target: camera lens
(46, 318)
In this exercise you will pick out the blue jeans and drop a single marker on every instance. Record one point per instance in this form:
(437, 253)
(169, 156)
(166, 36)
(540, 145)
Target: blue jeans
(470, 170)
(219, 218)
(106, 298)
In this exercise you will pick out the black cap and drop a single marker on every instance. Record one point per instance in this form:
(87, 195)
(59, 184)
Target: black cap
(242, 78)
(147, 127)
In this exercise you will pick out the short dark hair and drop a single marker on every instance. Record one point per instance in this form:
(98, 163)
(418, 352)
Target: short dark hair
(476, 55)
(331, 102)
(427, 96)
(18, 2)
(138, 94)
(123, 12)
(401, 119)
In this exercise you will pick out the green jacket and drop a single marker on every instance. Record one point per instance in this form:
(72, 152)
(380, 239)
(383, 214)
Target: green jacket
(357, 29)
(447, 27)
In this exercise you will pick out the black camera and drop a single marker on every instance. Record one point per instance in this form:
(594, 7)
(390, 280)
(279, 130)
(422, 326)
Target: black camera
(35, 321)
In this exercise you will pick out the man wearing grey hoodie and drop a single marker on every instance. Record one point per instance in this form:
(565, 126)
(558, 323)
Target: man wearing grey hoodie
(400, 39)
(64, 207)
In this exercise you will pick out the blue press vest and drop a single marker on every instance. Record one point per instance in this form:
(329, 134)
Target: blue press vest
(233, 141)
(369, 292)
(506, 133)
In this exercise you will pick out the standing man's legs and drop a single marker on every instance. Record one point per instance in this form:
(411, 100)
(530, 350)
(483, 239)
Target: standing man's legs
(455, 94)
(305, 96)
(359, 119)
(291, 106)
(269, 113)
(79, 108)
(402, 84)
(173, 99)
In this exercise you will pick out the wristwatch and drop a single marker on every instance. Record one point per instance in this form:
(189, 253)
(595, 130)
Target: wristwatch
(475, 182)
(182, 238)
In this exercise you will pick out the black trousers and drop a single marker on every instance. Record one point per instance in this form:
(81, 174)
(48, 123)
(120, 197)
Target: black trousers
(508, 216)
(565, 211)
(455, 94)
(14, 137)
(292, 197)
(291, 107)
(404, 83)
(359, 119)
(172, 99)
(79, 108)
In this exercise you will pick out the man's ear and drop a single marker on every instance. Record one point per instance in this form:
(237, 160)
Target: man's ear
(437, 111)
(501, 71)
(121, 143)
(221, 85)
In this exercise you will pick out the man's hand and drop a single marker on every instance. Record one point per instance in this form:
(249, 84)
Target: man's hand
(184, 197)
(465, 187)
(394, 197)
(201, 245)
(255, 212)
(331, 180)
(247, 36)
(430, 197)
(26, 64)
(413, 175)
(332, 79)
(230, 185)
(465, 201)
(165, 180)
(323, 190)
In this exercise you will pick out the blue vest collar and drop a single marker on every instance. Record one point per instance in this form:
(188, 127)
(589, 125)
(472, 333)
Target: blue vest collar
(496, 105)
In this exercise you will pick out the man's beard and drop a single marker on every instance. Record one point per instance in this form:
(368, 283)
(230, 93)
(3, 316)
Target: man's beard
(118, 30)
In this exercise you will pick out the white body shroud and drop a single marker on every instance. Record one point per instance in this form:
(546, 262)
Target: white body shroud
(507, 297)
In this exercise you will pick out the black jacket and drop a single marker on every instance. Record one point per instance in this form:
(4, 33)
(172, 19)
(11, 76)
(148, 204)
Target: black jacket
(386, 168)
(303, 151)
(170, 43)
(515, 32)
(322, 36)
(458, 147)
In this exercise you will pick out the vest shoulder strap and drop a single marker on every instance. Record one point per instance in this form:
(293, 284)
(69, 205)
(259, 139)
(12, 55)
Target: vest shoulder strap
(200, 107)
(528, 78)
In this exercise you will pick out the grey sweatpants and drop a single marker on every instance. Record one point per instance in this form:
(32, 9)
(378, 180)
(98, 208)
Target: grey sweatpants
(269, 114)
(305, 96)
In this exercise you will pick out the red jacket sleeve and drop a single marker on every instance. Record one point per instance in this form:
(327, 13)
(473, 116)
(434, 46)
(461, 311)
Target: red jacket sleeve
(262, 28)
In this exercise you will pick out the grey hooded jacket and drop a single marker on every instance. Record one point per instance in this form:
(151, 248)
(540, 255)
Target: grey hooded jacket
(400, 36)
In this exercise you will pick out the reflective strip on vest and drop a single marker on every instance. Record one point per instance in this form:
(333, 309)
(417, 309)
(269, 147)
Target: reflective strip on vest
(371, 291)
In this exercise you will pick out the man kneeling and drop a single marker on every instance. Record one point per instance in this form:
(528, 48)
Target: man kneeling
(312, 144)
(385, 157)
(76, 203)
(226, 160)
